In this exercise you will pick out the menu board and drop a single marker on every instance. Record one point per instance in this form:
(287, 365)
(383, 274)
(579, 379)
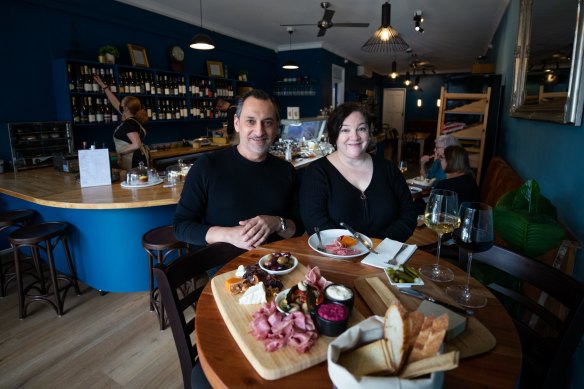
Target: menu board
(94, 167)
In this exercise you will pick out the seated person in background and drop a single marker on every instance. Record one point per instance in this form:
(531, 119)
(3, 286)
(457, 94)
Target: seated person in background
(241, 195)
(435, 170)
(369, 194)
(459, 176)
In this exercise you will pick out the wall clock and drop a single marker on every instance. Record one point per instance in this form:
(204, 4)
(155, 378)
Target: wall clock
(177, 57)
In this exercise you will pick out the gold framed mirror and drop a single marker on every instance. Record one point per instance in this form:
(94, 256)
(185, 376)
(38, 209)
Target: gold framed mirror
(548, 82)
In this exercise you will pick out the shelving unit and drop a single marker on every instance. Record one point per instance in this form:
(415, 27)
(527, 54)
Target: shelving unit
(191, 97)
(473, 110)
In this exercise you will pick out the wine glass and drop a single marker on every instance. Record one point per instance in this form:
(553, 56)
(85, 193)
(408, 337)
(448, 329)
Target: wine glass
(441, 216)
(475, 235)
(403, 166)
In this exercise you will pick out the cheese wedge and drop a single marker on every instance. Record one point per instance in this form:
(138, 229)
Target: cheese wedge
(254, 295)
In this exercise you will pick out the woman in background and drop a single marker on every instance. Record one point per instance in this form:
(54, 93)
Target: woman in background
(459, 176)
(369, 194)
(435, 170)
(128, 136)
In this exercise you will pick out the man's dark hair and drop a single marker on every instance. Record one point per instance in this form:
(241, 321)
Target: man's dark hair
(260, 95)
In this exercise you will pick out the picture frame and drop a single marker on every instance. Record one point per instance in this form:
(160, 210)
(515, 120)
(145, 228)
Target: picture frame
(138, 55)
(215, 69)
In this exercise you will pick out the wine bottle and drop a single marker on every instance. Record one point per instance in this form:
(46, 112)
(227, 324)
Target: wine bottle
(111, 81)
(84, 113)
(75, 110)
(107, 112)
(166, 86)
(87, 85)
(99, 114)
(80, 80)
(94, 85)
(70, 78)
(115, 116)
(91, 111)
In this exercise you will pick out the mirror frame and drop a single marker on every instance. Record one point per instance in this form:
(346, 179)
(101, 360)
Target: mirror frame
(573, 107)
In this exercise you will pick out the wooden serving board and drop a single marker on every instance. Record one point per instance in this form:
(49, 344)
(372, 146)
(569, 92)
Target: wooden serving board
(378, 295)
(279, 363)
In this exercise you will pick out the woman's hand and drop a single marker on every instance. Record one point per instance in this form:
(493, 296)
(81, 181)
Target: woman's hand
(99, 81)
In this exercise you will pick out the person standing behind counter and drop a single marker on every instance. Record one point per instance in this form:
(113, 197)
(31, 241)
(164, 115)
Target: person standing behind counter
(435, 170)
(369, 194)
(241, 195)
(226, 106)
(128, 136)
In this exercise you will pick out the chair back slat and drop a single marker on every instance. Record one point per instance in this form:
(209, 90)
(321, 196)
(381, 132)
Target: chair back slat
(570, 329)
(175, 278)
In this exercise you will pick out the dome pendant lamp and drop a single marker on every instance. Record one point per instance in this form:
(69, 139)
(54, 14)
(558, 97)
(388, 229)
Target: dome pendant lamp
(202, 41)
(290, 65)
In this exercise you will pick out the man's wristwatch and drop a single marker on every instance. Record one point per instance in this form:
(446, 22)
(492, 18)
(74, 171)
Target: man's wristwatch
(283, 224)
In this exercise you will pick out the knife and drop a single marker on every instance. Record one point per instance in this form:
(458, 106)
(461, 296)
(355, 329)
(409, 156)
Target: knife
(359, 237)
(423, 296)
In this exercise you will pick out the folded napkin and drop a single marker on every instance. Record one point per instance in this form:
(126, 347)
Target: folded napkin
(387, 250)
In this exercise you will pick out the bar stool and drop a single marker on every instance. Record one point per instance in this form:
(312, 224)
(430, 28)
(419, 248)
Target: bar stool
(42, 237)
(12, 219)
(159, 243)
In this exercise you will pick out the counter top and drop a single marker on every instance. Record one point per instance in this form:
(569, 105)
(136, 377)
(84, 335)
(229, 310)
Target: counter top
(52, 188)
(178, 151)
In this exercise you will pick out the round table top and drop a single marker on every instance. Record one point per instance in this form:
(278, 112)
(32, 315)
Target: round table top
(227, 367)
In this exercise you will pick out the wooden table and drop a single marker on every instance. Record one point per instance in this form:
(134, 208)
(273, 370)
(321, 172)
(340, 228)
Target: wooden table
(226, 367)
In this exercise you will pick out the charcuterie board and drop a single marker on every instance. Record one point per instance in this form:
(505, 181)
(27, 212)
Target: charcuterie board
(279, 363)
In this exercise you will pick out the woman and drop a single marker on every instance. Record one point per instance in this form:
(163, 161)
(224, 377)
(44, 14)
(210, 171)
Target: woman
(459, 176)
(129, 135)
(350, 186)
(435, 170)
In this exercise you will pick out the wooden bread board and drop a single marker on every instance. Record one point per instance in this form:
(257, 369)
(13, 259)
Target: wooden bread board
(279, 363)
(378, 295)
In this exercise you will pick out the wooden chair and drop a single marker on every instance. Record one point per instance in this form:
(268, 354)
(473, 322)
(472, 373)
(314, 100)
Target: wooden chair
(548, 340)
(176, 277)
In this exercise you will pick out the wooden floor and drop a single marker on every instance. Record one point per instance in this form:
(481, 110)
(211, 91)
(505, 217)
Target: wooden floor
(110, 341)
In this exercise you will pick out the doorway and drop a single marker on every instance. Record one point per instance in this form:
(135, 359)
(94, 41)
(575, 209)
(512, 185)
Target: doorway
(394, 104)
(338, 83)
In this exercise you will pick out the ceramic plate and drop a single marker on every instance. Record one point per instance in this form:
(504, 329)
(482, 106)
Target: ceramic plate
(401, 284)
(329, 236)
(124, 184)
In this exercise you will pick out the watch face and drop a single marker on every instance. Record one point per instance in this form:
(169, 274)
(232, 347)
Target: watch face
(177, 53)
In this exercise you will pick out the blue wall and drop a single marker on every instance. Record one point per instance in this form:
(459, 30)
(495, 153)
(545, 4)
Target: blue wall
(549, 153)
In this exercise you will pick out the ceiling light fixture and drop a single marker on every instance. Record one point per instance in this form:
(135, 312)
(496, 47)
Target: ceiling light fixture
(393, 73)
(417, 83)
(407, 81)
(386, 38)
(290, 65)
(202, 41)
(418, 19)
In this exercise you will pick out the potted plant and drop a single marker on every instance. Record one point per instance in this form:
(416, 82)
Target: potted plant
(108, 54)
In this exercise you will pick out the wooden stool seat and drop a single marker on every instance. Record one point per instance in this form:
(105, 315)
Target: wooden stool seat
(159, 243)
(43, 237)
(12, 219)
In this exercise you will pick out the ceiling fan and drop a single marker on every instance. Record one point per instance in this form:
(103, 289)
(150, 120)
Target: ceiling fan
(326, 22)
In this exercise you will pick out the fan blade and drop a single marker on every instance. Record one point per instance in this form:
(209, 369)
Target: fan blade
(328, 15)
(293, 25)
(351, 24)
(321, 32)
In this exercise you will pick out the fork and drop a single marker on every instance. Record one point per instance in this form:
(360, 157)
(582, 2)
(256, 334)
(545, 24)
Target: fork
(393, 261)
(320, 247)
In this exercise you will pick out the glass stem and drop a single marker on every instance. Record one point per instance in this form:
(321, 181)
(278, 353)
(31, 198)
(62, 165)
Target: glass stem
(467, 285)
(438, 249)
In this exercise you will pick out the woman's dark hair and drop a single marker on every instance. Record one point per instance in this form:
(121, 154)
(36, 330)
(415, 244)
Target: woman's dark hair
(260, 95)
(457, 160)
(338, 116)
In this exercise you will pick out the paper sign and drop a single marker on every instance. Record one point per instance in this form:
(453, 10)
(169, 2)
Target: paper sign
(293, 113)
(94, 167)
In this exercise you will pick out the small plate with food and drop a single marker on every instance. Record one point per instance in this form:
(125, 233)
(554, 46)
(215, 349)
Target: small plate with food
(278, 263)
(402, 276)
(415, 189)
(339, 243)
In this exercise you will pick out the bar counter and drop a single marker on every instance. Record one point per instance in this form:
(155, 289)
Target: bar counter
(108, 222)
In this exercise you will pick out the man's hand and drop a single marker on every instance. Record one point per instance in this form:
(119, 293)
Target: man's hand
(256, 230)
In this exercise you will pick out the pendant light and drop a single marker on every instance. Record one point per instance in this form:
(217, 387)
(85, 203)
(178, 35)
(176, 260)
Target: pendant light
(407, 81)
(386, 38)
(393, 73)
(290, 65)
(202, 41)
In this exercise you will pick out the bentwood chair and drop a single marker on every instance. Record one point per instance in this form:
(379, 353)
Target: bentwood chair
(179, 276)
(549, 337)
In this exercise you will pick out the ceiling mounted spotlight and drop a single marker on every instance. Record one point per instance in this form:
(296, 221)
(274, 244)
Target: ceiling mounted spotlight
(418, 19)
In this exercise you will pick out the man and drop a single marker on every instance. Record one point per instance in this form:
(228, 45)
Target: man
(435, 170)
(225, 106)
(241, 195)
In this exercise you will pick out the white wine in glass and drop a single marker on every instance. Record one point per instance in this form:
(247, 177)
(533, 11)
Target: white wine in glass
(441, 216)
(475, 235)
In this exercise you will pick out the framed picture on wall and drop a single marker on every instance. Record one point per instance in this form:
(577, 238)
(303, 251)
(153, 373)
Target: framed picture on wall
(138, 55)
(215, 69)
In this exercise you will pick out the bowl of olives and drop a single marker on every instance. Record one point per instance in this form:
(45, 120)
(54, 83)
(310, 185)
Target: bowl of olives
(278, 263)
